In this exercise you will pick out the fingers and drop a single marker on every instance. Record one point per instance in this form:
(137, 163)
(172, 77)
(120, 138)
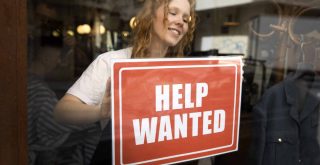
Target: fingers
(108, 88)
(105, 109)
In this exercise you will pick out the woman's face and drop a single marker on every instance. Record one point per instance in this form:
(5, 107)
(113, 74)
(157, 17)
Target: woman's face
(171, 31)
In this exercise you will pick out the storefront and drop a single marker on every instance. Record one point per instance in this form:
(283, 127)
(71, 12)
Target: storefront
(52, 42)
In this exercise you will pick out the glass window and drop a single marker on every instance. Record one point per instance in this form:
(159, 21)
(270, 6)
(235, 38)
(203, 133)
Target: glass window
(279, 43)
(64, 37)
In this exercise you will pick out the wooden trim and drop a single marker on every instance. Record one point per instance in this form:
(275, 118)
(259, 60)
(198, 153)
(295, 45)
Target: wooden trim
(22, 77)
(13, 65)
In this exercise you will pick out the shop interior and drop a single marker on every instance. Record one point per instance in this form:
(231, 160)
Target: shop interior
(272, 36)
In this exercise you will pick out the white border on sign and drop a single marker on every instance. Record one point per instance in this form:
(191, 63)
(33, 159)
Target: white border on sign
(168, 67)
(151, 60)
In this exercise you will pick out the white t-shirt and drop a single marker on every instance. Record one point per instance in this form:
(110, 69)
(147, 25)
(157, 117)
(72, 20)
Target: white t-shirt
(91, 86)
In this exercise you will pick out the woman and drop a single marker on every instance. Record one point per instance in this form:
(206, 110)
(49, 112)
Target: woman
(164, 28)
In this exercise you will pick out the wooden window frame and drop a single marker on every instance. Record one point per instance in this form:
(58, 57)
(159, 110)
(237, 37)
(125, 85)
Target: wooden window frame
(13, 83)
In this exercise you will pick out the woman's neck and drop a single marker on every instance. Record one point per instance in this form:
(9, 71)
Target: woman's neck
(157, 50)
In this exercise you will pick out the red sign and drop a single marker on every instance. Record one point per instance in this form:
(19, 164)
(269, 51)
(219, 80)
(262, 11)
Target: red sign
(175, 110)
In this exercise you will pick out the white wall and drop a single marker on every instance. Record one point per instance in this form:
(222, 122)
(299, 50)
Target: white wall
(211, 22)
(211, 4)
(226, 44)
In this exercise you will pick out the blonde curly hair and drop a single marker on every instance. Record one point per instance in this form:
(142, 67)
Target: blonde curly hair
(143, 26)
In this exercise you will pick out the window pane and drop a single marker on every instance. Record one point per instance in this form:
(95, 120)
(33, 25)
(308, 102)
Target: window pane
(279, 43)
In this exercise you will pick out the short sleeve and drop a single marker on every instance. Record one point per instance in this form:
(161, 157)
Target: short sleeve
(90, 87)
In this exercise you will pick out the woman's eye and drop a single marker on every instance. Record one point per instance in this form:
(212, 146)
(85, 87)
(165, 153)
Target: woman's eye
(172, 13)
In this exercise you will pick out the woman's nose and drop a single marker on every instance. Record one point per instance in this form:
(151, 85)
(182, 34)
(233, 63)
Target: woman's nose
(179, 20)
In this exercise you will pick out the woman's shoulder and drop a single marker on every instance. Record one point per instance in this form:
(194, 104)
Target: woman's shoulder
(122, 53)
(103, 61)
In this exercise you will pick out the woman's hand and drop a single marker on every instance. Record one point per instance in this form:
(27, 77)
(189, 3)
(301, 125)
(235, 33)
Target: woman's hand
(105, 108)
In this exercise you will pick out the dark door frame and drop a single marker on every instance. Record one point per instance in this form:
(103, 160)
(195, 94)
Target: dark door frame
(13, 84)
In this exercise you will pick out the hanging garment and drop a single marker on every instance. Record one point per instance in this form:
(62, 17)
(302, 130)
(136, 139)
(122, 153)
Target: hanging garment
(286, 125)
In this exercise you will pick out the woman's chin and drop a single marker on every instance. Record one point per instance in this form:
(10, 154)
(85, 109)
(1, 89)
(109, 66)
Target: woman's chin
(172, 43)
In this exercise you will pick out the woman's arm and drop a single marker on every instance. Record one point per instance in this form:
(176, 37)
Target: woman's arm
(71, 109)
(88, 100)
